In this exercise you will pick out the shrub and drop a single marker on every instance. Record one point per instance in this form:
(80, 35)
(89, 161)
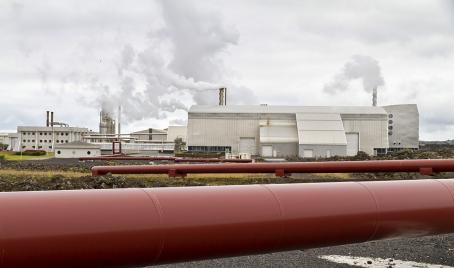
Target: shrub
(3, 146)
(32, 152)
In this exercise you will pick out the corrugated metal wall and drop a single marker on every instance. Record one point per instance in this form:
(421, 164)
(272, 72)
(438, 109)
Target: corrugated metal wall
(373, 131)
(222, 131)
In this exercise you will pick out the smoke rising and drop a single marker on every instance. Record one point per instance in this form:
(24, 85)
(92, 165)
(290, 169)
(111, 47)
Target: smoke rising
(358, 67)
(180, 65)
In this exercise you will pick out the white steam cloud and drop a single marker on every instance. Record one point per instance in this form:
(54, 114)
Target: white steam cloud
(182, 61)
(359, 67)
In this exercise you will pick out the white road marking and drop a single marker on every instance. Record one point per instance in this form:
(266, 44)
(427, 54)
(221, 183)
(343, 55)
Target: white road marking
(378, 262)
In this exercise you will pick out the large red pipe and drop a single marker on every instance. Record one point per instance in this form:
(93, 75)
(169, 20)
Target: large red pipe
(138, 227)
(280, 169)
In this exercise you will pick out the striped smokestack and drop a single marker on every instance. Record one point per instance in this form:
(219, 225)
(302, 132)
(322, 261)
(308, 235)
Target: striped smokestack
(47, 118)
(374, 97)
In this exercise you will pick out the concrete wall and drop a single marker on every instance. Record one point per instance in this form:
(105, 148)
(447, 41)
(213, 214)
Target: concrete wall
(282, 149)
(76, 153)
(320, 151)
(403, 124)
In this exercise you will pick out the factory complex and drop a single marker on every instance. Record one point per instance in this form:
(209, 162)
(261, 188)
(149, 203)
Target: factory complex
(240, 131)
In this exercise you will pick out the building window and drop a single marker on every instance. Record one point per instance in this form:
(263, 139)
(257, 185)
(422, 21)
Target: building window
(50, 147)
(210, 149)
(45, 133)
(58, 141)
(88, 152)
(33, 140)
(390, 122)
(380, 151)
(67, 134)
(40, 133)
(66, 141)
(390, 115)
(28, 140)
(39, 147)
(40, 141)
(33, 146)
(390, 127)
(390, 133)
(58, 152)
(25, 141)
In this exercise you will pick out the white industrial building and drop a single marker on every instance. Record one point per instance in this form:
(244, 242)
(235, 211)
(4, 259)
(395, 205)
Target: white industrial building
(46, 138)
(304, 131)
(76, 149)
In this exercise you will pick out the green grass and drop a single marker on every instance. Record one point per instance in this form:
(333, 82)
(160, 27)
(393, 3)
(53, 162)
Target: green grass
(11, 156)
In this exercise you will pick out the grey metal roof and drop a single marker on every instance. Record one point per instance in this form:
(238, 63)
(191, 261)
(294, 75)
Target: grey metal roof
(286, 109)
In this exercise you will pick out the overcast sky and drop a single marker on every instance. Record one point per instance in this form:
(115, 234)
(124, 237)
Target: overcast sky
(157, 58)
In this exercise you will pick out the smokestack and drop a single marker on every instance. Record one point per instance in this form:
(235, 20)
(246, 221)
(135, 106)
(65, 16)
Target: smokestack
(51, 119)
(47, 118)
(119, 121)
(374, 97)
(222, 96)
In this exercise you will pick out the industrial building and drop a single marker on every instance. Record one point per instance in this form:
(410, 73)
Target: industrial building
(46, 137)
(76, 149)
(303, 131)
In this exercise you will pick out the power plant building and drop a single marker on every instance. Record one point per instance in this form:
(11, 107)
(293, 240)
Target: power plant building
(303, 131)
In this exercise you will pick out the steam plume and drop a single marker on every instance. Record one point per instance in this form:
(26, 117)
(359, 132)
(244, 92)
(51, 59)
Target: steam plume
(151, 83)
(359, 67)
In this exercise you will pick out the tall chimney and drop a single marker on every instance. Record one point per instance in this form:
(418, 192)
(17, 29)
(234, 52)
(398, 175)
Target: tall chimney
(119, 121)
(222, 96)
(51, 119)
(47, 118)
(374, 97)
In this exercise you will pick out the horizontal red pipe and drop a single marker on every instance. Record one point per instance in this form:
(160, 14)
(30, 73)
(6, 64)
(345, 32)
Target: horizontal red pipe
(169, 158)
(423, 166)
(138, 227)
(110, 158)
(212, 160)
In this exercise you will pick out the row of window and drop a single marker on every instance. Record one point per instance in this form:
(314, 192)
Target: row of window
(47, 133)
(45, 141)
(34, 147)
(211, 149)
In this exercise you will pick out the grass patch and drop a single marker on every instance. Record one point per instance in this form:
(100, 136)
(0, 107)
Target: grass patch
(13, 157)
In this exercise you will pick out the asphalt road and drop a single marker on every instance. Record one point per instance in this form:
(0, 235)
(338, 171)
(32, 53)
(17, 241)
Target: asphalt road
(438, 250)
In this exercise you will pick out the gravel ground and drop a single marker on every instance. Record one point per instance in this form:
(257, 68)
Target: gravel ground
(432, 249)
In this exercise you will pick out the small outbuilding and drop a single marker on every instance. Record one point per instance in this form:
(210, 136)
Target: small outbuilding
(77, 149)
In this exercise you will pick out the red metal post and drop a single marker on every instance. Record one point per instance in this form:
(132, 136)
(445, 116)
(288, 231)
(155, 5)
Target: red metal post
(423, 166)
(138, 227)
